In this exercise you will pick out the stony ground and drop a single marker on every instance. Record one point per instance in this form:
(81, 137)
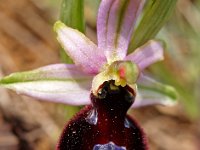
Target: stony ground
(27, 42)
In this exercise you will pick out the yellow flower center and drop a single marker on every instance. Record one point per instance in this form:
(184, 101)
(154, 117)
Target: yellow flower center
(122, 72)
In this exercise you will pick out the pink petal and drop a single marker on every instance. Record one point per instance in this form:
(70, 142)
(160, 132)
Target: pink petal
(61, 71)
(148, 54)
(116, 20)
(83, 51)
(69, 93)
(151, 92)
(57, 83)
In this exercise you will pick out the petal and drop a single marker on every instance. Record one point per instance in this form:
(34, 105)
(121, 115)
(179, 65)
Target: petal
(57, 83)
(152, 92)
(83, 51)
(148, 54)
(116, 20)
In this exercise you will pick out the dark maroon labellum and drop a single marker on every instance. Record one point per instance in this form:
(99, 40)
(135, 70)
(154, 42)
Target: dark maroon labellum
(105, 123)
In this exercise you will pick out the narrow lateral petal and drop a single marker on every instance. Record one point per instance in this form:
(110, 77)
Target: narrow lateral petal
(82, 50)
(116, 20)
(152, 92)
(148, 54)
(57, 83)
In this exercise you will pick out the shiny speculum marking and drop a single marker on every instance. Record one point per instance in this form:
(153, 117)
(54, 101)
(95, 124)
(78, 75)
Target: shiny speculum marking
(109, 146)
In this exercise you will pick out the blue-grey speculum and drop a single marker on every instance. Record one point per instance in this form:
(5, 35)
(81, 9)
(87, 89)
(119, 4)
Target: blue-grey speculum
(109, 146)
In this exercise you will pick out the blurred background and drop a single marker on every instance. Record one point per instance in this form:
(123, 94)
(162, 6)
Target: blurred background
(27, 41)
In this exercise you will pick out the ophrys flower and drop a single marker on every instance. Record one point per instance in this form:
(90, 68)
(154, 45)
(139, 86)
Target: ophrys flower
(106, 72)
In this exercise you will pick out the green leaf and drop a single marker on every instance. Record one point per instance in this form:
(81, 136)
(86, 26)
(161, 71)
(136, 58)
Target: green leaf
(72, 14)
(156, 14)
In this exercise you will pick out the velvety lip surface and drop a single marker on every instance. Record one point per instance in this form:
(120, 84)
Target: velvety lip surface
(103, 122)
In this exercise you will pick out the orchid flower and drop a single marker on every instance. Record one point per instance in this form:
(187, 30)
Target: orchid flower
(103, 75)
(94, 64)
